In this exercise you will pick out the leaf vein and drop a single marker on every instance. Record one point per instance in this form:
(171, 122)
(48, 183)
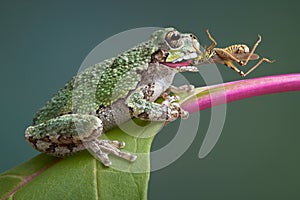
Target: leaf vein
(96, 179)
(28, 179)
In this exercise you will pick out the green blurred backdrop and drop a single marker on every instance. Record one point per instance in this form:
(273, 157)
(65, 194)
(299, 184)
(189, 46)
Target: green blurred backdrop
(42, 44)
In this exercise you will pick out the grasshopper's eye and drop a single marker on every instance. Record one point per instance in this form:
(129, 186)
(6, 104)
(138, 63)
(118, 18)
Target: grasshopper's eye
(173, 38)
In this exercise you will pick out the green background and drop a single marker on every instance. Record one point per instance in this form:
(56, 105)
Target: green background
(43, 43)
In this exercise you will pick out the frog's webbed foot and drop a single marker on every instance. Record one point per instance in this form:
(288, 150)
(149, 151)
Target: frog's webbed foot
(171, 100)
(175, 111)
(101, 148)
(141, 104)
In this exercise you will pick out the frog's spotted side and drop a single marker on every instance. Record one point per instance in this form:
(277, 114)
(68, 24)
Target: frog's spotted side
(112, 92)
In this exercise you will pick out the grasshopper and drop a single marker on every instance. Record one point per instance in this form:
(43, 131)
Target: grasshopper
(238, 53)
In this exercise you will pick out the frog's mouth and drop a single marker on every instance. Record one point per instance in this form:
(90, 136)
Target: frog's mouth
(184, 61)
(177, 64)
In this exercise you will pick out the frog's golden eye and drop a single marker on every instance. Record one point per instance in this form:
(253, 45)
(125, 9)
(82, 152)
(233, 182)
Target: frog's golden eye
(174, 40)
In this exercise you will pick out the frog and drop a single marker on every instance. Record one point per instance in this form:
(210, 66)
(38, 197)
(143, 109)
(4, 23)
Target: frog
(114, 91)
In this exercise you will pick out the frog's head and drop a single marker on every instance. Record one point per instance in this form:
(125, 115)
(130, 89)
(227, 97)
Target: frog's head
(175, 50)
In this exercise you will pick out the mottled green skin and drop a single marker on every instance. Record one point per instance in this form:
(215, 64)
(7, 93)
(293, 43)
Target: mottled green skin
(102, 79)
(110, 93)
(66, 125)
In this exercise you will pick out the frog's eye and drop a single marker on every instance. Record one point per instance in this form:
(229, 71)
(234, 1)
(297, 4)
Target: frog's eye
(173, 38)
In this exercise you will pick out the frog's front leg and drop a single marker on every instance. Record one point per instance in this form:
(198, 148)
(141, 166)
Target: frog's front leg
(141, 104)
(71, 133)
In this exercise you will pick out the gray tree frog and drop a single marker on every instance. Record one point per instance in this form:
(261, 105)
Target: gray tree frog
(112, 92)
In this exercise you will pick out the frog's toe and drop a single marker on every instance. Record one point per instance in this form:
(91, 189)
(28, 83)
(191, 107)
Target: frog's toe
(113, 147)
(96, 150)
(101, 148)
(103, 157)
(116, 143)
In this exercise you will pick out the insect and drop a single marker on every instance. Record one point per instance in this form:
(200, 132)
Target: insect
(238, 53)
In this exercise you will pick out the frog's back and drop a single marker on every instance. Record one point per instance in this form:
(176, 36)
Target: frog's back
(98, 86)
(63, 101)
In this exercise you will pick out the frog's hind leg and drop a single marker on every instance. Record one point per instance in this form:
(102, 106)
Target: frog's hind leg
(68, 134)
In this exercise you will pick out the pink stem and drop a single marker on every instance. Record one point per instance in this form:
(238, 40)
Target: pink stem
(233, 91)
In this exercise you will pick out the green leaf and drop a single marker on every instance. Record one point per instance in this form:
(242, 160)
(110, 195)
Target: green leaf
(81, 176)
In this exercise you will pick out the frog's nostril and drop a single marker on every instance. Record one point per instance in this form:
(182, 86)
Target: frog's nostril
(192, 36)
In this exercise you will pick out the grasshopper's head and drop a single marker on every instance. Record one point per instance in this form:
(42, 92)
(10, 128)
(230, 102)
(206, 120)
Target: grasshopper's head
(175, 50)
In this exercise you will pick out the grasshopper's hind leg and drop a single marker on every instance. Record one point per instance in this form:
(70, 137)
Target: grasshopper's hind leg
(257, 64)
(234, 68)
(240, 72)
(249, 57)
